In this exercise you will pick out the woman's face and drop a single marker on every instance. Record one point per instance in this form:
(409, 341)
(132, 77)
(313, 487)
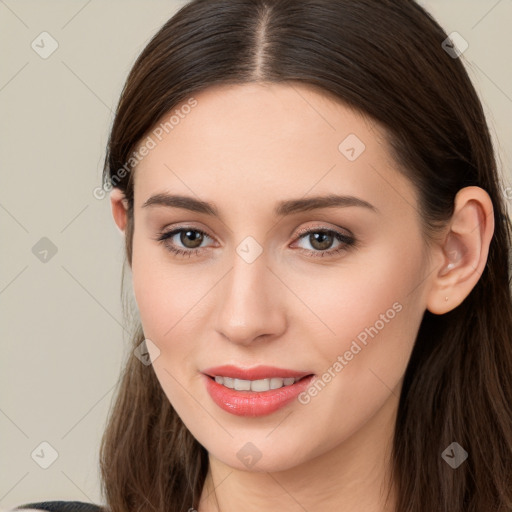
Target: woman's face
(342, 303)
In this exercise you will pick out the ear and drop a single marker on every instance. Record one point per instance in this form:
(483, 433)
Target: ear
(462, 255)
(119, 205)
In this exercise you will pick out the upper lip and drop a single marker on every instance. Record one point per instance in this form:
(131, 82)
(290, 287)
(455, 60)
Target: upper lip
(255, 373)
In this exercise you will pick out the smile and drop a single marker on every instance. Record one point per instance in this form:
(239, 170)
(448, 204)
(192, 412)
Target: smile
(255, 385)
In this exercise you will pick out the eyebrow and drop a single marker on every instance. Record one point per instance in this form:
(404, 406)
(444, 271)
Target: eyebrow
(283, 208)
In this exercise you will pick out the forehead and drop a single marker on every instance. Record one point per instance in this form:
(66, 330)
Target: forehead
(266, 140)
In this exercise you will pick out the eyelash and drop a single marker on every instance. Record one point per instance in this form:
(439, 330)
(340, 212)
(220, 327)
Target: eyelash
(346, 241)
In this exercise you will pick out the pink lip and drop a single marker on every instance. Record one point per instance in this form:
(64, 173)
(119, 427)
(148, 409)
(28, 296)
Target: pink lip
(256, 373)
(252, 403)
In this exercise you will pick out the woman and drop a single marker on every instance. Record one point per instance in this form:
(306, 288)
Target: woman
(319, 253)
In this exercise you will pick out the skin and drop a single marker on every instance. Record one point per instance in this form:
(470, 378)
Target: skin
(244, 148)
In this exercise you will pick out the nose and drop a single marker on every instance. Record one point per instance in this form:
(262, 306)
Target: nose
(250, 305)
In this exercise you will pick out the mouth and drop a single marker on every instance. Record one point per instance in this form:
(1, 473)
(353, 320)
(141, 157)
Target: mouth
(259, 378)
(259, 385)
(254, 392)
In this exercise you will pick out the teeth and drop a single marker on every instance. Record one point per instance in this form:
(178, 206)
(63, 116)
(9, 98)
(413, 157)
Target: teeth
(276, 383)
(255, 385)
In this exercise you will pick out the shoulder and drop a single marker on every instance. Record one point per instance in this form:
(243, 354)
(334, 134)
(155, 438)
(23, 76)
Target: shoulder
(60, 506)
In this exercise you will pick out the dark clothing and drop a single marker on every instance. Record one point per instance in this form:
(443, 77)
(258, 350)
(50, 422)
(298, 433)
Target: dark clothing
(62, 506)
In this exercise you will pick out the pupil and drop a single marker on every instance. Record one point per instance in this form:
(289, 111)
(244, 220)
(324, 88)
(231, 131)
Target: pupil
(196, 240)
(325, 243)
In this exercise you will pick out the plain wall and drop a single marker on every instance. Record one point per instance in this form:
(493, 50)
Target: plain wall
(63, 342)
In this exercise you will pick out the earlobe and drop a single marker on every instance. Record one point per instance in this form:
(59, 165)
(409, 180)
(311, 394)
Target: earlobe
(119, 205)
(464, 250)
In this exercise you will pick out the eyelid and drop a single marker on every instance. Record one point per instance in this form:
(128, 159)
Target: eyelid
(348, 234)
(184, 227)
(339, 230)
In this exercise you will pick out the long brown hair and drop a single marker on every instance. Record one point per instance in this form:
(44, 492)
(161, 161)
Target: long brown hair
(386, 59)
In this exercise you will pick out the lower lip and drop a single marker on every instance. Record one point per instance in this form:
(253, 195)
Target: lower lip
(252, 403)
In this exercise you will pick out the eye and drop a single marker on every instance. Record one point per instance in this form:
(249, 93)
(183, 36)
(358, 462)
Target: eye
(190, 238)
(321, 239)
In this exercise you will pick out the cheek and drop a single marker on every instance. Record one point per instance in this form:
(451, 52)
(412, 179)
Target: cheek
(163, 302)
(373, 308)
(169, 297)
(159, 297)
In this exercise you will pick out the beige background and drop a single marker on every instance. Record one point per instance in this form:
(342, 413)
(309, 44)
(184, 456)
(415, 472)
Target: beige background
(63, 342)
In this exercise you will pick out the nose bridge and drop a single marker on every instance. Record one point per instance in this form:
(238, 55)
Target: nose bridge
(249, 305)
